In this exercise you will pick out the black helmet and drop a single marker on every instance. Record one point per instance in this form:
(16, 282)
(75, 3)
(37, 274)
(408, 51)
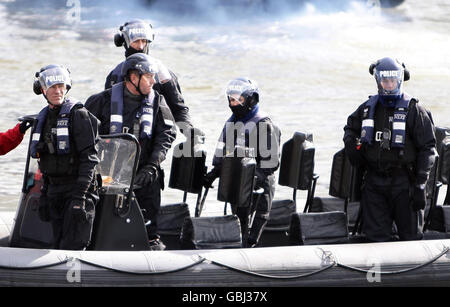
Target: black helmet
(140, 62)
(243, 87)
(389, 69)
(51, 75)
(132, 31)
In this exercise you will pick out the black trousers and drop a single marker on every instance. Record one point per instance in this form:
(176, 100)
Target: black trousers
(262, 210)
(386, 199)
(149, 200)
(69, 231)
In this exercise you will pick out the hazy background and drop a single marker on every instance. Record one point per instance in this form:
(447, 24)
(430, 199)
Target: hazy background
(310, 59)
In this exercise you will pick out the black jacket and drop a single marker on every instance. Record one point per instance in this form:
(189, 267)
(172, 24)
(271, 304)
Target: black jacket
(172, 94)
(83, 132)
(154, 150)
(419, 128)
(266, 162)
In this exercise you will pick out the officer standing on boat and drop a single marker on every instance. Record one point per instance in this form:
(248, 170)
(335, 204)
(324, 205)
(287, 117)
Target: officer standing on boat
(133, 106)
(392, 136)
(12, 138)
(136, 36)
(263, 137)
(65, 142)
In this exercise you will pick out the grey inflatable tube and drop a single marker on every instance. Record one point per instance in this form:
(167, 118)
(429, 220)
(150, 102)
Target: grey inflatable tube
(414, 263)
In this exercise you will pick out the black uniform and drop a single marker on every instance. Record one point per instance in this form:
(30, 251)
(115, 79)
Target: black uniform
(153, 151)
(171, 91)
(392, 174)
(265, 168)
(69, 179)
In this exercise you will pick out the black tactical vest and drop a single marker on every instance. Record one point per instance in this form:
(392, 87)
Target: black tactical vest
(380, 155)
(50, 163)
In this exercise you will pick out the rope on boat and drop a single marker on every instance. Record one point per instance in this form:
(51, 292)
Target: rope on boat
(446, 249)
(201, 259)
(327, 258)
(272, 276)
(71, 259)
(44, 266)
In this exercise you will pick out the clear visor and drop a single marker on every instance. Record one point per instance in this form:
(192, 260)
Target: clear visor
(235, 88)
(148, 67)
(389, 81)
(54, 76)
(138, 31)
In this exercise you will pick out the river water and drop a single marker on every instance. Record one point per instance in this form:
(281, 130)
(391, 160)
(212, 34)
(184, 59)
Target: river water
(310, 60)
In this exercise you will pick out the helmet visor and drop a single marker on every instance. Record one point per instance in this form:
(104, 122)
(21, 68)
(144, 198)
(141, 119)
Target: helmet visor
(134, 32)
(389, 81)
(236, 87)
(148, 67)
(53, 76)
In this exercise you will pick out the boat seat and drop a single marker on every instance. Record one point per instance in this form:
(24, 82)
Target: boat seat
(215, 232)
(236, 186)
(187, 170)
(296, 172)
(437, 216)
(345, 184)
(319, 228)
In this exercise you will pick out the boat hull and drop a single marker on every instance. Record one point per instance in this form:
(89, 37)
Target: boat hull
(329, 265)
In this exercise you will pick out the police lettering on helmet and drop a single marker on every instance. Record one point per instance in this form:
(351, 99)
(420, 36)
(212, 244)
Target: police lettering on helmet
(389, 75)
(53, 75)
(135, 31)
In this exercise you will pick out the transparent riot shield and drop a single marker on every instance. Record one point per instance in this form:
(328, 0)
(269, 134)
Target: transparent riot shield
(118, 224)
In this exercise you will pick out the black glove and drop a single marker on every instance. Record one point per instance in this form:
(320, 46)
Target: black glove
(209, 178)
(77, 210)
(419, 198)
(25, 125)
(354, 154)
(147, 175)
(43, 208)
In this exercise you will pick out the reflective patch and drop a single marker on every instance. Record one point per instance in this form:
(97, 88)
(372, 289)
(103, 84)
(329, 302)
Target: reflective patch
(116, 118)
(168, 122)
(62, 131)
(36, 137)
(368, 123)
(146, 118)
(398, 139)
(62, 145)
(147, 129)
(398, 126)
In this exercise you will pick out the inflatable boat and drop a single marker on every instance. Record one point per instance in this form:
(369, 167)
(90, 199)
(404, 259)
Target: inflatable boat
(320, 246)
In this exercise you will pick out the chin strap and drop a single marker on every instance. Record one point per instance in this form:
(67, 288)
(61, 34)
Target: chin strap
(138, 86)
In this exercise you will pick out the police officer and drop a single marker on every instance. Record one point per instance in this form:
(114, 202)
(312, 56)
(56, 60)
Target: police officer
(133, 106)
(64, 140)
(251, 127)
(12, 138)
(392, 136)
(136, 36)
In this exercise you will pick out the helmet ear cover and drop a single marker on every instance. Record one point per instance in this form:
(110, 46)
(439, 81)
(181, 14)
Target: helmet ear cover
(119, 41)
(372, 67)
(37, 88)
(406, 75)
(36, 85)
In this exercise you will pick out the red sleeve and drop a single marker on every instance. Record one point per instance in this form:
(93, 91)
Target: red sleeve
(10, 139)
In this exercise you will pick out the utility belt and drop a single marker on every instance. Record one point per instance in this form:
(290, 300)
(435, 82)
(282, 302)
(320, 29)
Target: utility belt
(62, 180)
